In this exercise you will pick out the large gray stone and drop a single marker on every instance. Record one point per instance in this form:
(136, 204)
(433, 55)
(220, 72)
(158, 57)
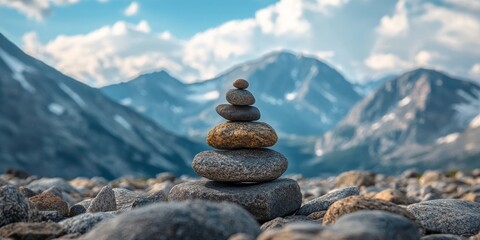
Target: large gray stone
(83, 223)
(450, 216)
(182, 220)
(14, 206)
(124, 198)
(104, 201)
(243, 165)
(265, 201)
(322, 203)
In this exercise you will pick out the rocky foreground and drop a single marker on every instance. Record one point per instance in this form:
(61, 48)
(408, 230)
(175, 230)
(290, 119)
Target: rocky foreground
(353, 205)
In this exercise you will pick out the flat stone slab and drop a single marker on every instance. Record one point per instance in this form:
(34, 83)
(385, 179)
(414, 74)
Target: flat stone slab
(240, 97)
(238, 113)
(236, 135)
(265, 201)
(243, 165)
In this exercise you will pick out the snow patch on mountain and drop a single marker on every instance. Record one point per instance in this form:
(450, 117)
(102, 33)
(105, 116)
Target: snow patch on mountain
(126, 101)
(468, 109)
(404, 102)
(475, 123)
(73, 95)
(56, 109)
(122, 121)
(17, 68)
(448, 139)
(208, 96)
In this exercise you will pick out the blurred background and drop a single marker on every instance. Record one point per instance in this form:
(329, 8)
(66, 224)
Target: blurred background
(129, 88)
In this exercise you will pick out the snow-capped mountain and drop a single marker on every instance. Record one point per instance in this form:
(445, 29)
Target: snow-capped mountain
(423, 119)
(296, 94)
(53, 125)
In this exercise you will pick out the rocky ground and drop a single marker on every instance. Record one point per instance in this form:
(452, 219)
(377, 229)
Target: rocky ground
(353, 205)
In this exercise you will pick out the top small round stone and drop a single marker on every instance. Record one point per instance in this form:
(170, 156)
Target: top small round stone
(240, 84)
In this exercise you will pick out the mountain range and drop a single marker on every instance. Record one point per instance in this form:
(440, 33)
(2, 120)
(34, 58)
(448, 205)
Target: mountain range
(53, 125)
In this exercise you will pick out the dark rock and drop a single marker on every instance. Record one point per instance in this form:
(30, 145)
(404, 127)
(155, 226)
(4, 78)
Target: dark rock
(322, 203)
(14, 206)
(242, 165)
(31, 231)
(27, 192)
(17, 173)
(182, 220)
(356, 203)
(45, 216)
(281, 222)
(48, 202)
(235, 135)
(238, 113)
(104, 201)
(450, 216)
(355, 178)
(80, 207)
(240, 97)
(83, 223)
(265, 201)
(241, 84)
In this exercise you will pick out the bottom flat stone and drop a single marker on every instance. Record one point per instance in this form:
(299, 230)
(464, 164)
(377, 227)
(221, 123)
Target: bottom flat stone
(265, 201)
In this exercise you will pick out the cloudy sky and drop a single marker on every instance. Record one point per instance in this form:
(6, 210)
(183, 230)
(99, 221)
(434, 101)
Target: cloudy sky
(104, 41)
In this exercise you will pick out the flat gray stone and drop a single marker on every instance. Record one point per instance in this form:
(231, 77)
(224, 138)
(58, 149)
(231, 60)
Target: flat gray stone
(240, 97)
(104, 201)
(242, 165)
(323, 202)
(265, 201)
(238, 113)
(450, 216)
(182, 220)
(14, 206)
(372, 225)
(83, 223)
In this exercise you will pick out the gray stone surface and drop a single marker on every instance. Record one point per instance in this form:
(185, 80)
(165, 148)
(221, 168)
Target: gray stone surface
(241, 84)
(104, 201)
(372, 225)
(280, 222)
(450, 216)
(240, 97)
(80, 207)
(322, 203)
(182, 220)
(31, 231)
(265, 201)
(14, 206)
(443, 237)
(242, 165)
(124, 198)
(43, 184)
(238, 113)
(83, 223)
(45, 216)
(150, 198)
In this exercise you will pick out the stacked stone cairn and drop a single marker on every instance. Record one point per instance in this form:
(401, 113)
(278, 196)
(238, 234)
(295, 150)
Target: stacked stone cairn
(242, 170)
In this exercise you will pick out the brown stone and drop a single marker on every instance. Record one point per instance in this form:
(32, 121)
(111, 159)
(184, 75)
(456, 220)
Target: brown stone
(241, 83)
(235, 135)
(356, 203)
(49, 202)
(392, 195)
(355, 178)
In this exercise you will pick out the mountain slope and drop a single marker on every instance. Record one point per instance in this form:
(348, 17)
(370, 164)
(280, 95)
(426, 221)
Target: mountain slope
(420, 119)
(52, 125)
(297, 95)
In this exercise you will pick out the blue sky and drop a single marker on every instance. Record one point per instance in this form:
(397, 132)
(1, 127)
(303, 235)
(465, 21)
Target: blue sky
(105, 41)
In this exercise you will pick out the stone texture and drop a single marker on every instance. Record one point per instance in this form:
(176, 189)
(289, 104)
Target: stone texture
(31, 231)
(392, 195)
(45, 216)
(235, 135)
(152, 197)
(43, 184)
(265, 201)
(294, 231)
(83, 223)
(238, 113)
(47, 201)
(240, 97)
(104, 201)
(241, 84)
(242, 165)
(371, 225)
(182, 220)
(356, 203)
(450, 216)
(442, 237)
(14, 206)
(355, 178)
(124, 198)
(80, 207)
(323, 203)
(281, 222)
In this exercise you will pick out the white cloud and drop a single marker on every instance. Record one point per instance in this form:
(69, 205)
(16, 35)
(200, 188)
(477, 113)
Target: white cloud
(385, 61)
(468, 4)
(397, 23)
(423, 58)
(475, 70)
(132, 9)
(35, 9)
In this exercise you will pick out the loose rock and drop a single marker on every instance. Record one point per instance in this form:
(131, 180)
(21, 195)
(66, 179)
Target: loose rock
(241, 84)
(391, 195)
(243, 165)
(49, 202)
(83, 223)
(104, 201)
(265, 201)
(182, 220)
(323, 203)
(22, 230)
(14, 206)
(80, 207)
(43, 184)
(240, 97)
(442, 237)
(294, 231)
(281, 222)
(124, 198)
(355, 178)
(238, 113)
(235, 135)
